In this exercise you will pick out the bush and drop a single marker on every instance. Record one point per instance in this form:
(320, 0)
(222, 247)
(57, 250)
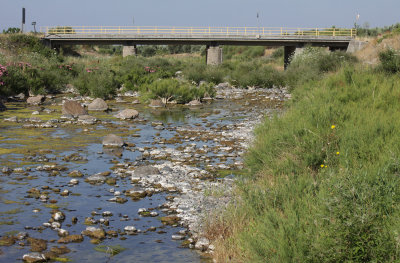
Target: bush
(97, 83)
(312, 63)
(254, 74)
(12, 81)
(11, 30)
(390, 61)
(171, 89)
(27, 43)
(201, 72)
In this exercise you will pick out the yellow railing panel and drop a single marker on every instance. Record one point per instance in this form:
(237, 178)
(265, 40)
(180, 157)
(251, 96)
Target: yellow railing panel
(209, 31)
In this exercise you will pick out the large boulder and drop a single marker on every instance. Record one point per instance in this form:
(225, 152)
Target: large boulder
(113, 140)
(98, 105)
(35, 100)
(156, 104)
(127, 114)
(73, 108)
(194, 103)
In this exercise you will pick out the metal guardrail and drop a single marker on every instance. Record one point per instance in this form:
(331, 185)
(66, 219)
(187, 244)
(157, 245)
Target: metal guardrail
(196, 31)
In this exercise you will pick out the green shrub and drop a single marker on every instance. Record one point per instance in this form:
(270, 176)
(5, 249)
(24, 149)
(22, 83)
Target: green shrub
(11, 30)
(390, 61)
(312, 63)
(97, 83)
(12, 81)
(172, 89)
(22, 43)
(254, 74)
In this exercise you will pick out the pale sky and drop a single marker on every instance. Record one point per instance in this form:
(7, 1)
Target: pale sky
(278, 13)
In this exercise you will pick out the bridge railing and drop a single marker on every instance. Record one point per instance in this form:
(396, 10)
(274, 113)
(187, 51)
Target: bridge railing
(197, 31)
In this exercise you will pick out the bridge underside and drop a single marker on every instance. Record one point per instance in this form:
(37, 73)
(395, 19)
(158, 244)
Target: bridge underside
(214, 52)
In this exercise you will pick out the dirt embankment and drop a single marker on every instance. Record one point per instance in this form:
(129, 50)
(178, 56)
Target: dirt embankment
(370, 53)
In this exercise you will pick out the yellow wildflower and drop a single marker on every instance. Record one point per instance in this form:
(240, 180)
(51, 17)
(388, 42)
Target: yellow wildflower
(322, 166)
(337, 153)
(333, 127)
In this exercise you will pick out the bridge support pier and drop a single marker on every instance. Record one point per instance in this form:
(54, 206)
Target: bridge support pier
(214, 55)
(288, 53)
(129, 50)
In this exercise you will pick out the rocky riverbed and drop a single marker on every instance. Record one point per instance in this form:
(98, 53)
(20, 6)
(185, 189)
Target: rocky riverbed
(124, 180)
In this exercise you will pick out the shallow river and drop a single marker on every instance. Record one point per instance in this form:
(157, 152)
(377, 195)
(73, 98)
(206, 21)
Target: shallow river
(211, 137)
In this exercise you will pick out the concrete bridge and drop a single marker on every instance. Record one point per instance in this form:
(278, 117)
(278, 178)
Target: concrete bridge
(213, 37)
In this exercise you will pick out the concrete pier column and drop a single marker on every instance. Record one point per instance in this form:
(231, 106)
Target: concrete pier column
(129, 50)
(214, 55)
(289, 52)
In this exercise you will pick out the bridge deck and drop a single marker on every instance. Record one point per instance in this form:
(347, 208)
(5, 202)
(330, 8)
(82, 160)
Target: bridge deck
(199, 36)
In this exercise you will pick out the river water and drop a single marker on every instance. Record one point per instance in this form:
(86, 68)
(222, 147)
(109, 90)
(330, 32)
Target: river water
(210, 138)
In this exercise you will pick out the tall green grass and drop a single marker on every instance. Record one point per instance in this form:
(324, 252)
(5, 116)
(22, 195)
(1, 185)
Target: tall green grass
(324, 182)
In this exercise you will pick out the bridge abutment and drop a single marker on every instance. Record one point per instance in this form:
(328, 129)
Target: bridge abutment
(214, 55)
(129, 50)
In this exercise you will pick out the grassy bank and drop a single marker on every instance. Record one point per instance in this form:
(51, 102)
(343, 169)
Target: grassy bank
(323, 182)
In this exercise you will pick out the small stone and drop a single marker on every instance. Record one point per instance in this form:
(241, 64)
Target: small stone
(58, 216)
(60, 250)
(94, 232)
(55, 225)
(107, 213)
(130, 230)
(37, 245)
(74, 220)
(96, 179)
(65, 192)
(71, 239)
(153, 214)
(35, 113)
(6, 170)
(170, 220)
(178, 237)
(34, 257)
(7, 241)
(22, 235)
(12, 119)
(74, 181)
(75, 173)
(62, 233)
(87, 119)
(202, 244)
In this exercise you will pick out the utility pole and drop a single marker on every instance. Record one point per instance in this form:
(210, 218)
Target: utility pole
(23, 20)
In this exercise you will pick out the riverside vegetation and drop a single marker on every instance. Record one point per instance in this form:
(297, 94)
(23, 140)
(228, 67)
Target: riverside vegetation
(321, 180)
